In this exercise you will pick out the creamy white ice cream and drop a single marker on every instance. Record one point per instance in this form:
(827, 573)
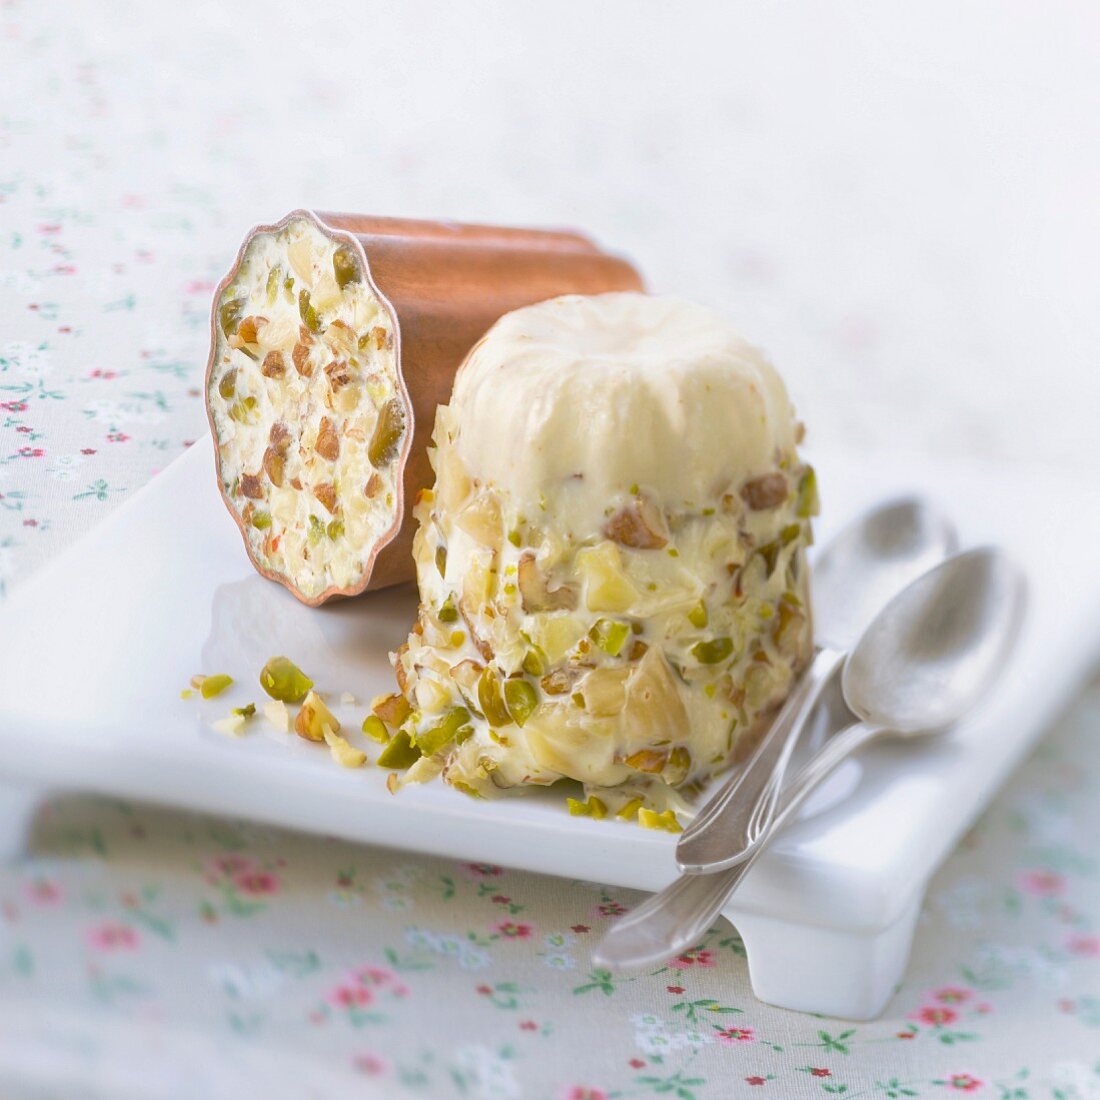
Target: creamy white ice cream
(610, 563)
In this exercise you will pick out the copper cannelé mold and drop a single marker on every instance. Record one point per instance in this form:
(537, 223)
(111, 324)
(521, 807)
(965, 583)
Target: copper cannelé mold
(439, 286)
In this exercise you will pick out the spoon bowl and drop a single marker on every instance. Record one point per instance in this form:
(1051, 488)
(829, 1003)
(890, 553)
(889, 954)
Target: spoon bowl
(933, 651)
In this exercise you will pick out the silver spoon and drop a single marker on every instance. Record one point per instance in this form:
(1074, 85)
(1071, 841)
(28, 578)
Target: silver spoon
(925, 661)
(868, 562)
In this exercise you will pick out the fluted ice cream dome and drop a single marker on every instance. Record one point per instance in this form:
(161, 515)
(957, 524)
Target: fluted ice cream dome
(611, 562)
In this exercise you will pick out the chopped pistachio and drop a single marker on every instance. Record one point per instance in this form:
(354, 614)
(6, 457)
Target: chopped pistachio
(335, 529)
(440, 735)
(316, 530)
(610, 635)
(400, 753)
(273, 277)
(713, 652)
(441, 559)
(535, 662)
(229, 315)
(650, 819)
(187, 693)
(307, 312)
(375, 729)
(515, 538)
(282, 679)
(247, 711)
(345, 266)
(697, 616)
(214, 685)
(387, 433)
(261, 520)
(578, 699)
(522, 699)
(593, 807)
(491, 699)
(448, 613)
(806, 501)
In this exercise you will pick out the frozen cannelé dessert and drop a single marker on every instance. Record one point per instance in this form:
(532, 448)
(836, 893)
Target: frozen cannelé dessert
(611, 569)
(332, 337)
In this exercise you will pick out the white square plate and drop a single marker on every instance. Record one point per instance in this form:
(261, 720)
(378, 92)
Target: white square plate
(96, 647)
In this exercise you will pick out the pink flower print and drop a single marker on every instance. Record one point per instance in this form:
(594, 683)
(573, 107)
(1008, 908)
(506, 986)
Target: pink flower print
(43, 892)
(87, 450)
(952, 995)
(370, 1064)
(584, 1092)
(610, 909)
(228, 866)
(963, 1082)
(677, 989)
(1041, 883)
(374, 975)
(514, 930)
(528, 1025)
(112, 936)
(117, 437)
(257, 883)
(1088, 946)
(697, 956)
(484, 870)
(935, 1015)
(580, 929)
(31, 452)
(13, 406)
(756, 1080)
(820, 1071)
(25, 429)
(350, 996)
(106, 374)
(637, 1063)
(730, 1035)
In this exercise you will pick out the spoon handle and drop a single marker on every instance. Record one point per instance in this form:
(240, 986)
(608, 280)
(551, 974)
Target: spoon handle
(677, 917)
(733, 821)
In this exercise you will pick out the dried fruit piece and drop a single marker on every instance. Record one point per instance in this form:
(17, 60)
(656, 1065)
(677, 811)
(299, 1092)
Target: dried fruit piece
(274, 466)
(282, 679)
(328, 442)
(274, 365)
(385, 442)
(392, 709)
(252, 486)
(300, 356)
(313, 717)
(764, 492)
(639, 525)
(535, 594)
(228, 384)
(345, 266)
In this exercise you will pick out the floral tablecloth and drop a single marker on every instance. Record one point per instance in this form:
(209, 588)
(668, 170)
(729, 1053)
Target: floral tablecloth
(145, 952)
